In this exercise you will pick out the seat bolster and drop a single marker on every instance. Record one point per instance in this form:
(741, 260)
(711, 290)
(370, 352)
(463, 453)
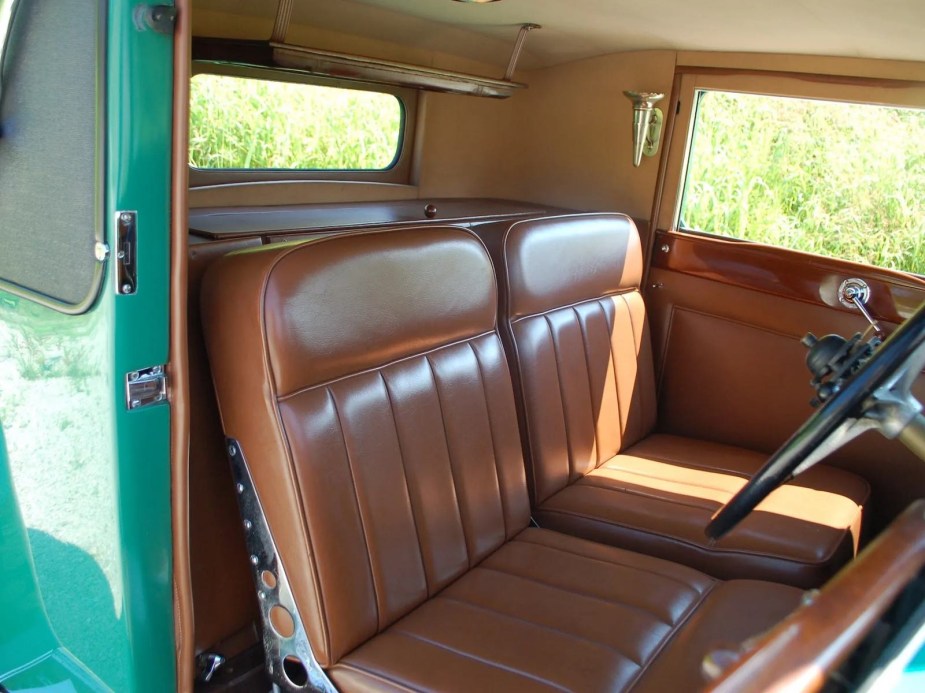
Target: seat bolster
(233, 308)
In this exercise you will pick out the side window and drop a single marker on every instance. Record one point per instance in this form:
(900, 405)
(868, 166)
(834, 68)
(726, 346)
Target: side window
(242, 128)
(846, 180)
(50, 125)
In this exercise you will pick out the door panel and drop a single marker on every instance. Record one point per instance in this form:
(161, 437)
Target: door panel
(84, 480)
(727, 318)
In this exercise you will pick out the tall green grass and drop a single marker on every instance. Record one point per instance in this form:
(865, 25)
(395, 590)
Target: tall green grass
(251, 123)
(844, 180)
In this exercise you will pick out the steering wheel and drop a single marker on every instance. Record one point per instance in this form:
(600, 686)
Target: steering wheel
(878, 396)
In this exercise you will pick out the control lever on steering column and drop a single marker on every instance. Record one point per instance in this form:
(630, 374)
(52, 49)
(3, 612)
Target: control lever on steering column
(833, 359)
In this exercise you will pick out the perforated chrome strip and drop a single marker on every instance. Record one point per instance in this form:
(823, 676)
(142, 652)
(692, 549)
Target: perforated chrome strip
(290, 662)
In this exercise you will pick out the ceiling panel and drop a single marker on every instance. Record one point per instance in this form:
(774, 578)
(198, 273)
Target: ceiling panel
(575, 29)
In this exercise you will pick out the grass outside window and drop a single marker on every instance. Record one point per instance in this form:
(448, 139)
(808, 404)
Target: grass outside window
(243, 123)
(837, 179)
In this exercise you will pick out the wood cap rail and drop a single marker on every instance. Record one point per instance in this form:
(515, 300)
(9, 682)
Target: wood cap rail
(814, 640)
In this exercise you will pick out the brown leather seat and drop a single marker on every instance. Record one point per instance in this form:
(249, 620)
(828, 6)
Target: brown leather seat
(575, 326)
(364, 379)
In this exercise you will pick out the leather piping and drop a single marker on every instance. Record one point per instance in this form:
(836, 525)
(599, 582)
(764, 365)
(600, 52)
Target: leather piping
(178, 359)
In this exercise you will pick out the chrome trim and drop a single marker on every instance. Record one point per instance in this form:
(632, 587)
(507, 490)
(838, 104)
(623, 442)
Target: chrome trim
(852, 290)
(145, 386)
(518, 47)
(207, 663)
(855, 293)
(126, 252)
(647, 123)
(275, 592)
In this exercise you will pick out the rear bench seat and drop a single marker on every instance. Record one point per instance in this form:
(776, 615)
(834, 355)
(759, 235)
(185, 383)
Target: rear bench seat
(574, 324)
(364, 379)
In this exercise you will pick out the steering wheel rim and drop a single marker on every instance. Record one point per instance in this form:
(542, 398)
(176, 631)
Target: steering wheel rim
(885, 363)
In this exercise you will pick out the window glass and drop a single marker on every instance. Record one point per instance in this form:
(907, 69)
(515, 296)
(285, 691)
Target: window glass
(839, 179)
(242, 123)
(50, 188)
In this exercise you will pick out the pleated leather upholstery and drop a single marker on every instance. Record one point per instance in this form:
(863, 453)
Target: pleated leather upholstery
(364, 378)
(578, 338)
(384, 446)
(575, 329)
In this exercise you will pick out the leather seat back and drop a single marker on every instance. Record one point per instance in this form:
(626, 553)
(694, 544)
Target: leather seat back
(579, 340)
(365, 381)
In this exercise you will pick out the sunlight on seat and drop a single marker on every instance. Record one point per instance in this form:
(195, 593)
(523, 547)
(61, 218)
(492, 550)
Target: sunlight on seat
(714, 488)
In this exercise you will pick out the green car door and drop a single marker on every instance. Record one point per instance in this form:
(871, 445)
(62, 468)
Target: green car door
(85, 534)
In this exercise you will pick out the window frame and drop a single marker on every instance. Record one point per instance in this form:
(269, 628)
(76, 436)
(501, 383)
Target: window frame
(689, 81)
(398, 173)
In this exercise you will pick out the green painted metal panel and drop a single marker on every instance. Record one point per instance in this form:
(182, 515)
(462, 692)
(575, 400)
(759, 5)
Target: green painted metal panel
(85, 529)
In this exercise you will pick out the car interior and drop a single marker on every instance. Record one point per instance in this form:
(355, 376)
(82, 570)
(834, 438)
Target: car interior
(485, 417)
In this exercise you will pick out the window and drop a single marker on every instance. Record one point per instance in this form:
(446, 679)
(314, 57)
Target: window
(50, 153)
(243, 123)
(845, 180)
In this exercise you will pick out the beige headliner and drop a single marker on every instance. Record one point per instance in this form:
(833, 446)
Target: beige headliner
(575, 29)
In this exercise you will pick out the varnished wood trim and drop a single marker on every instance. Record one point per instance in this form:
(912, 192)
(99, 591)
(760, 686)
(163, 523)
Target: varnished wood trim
(878, 82)
(786, 273)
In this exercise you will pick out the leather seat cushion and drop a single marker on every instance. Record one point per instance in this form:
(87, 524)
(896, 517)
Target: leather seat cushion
(549, 611)
(657, 496)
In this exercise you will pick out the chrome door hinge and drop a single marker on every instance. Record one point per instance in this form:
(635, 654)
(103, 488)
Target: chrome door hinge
(145, 386)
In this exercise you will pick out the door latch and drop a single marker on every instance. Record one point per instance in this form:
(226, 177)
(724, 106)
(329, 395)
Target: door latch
(145, 387)
(126, 252)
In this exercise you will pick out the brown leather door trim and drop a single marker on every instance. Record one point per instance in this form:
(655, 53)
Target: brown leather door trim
(786, 273)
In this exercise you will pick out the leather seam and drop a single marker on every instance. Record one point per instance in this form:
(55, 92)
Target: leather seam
(449, 457)
(633, 492)
(387, 364)
(356, 496)
(480, 660)
(376, 675)
(692, 609)
(636, 390)
(404, 474)
(584, 595)
(742, 475)
(491, 434)
(520, 405)
(615, 563)
(663, 478)
(705, 550)
(596, 414)
(541, 626)
(574, 304)
(611, 326)
(565, 417)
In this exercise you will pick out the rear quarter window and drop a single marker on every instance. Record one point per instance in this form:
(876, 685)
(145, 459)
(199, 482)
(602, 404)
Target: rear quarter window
(242, 123)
